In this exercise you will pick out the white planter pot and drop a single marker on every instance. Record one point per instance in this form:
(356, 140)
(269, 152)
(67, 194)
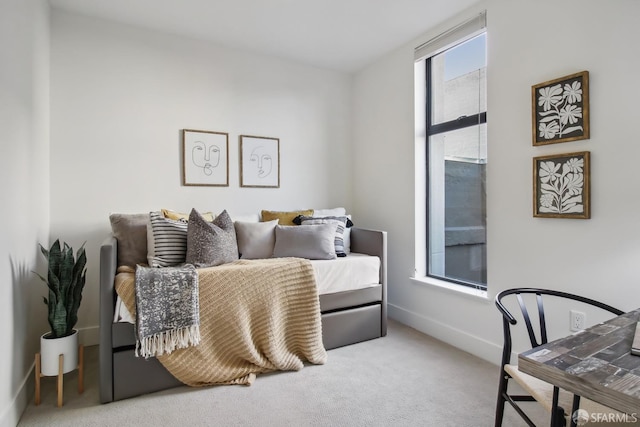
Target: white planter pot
(52, 348)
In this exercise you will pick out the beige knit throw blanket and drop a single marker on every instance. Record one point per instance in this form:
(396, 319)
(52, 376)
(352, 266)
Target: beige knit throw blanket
(255, 316)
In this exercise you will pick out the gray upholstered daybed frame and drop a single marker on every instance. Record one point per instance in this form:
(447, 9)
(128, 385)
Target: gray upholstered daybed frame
(347, 318)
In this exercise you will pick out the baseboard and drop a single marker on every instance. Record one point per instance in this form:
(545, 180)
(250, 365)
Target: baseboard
(89, 336)
(13, 413)
(86, 336)
(484, 349)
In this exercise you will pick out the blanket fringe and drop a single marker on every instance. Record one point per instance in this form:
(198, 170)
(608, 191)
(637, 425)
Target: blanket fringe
(168, 341)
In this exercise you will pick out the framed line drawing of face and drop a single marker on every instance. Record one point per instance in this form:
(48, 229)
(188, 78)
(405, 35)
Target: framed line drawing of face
(205, 158)
(259, 161)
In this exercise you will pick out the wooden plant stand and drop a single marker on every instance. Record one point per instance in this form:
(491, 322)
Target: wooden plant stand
(60, 375)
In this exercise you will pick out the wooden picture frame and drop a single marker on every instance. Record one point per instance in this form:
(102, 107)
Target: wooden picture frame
(561, 186)
(205, 158)
(259, 161)
(560, 109)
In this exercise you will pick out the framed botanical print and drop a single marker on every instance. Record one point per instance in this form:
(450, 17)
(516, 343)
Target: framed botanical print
(560, 109)
(205, 158)
(259, 161)
(561, 186)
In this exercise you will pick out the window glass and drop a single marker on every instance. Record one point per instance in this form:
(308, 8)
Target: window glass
(456, 162)
(457, 200)
(458, 82)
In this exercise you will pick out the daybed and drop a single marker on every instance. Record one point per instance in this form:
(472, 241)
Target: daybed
(347, 317)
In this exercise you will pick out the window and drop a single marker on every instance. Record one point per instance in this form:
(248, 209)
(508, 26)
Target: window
(455, 134)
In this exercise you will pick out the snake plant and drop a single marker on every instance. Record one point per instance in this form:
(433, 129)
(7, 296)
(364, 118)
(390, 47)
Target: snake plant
(65, 280)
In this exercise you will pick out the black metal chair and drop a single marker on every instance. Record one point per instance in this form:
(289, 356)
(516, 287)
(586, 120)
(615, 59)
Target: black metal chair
(546, 394)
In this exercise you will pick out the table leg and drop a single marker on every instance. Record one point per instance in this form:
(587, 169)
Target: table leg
(574, 409)
(37, 375)
(60, 377)
(557, 414)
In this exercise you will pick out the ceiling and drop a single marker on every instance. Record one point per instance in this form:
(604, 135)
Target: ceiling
(343, 35)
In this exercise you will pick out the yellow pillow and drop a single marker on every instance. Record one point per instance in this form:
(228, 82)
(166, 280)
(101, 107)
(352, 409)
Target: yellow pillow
(177, 216)
(284, 218)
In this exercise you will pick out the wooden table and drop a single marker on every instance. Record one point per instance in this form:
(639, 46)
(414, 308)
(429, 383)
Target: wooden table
(595, 363)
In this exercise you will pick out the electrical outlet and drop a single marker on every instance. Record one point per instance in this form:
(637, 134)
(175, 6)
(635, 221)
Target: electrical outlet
(577, 320)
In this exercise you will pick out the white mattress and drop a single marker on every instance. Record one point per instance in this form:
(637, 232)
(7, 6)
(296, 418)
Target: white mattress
(355, 271)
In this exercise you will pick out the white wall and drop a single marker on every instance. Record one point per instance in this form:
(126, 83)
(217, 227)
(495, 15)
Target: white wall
(119, 99)
(528, 43)
(24, 193)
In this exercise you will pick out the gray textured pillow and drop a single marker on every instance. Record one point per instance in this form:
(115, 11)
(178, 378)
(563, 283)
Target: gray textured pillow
(211, 243)
(130, 230)
(305, 241)
(256, 239)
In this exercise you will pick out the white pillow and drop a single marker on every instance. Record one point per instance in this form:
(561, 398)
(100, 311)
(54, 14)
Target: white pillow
(255, 239)
(329, 212)
(246, 217)
(346, 239)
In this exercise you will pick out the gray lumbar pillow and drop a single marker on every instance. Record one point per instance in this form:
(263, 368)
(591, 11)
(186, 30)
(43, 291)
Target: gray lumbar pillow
(341, 226)
(305, 241)
(211, 243)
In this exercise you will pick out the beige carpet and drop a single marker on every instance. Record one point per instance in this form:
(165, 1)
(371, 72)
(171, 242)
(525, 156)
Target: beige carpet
(404, 379)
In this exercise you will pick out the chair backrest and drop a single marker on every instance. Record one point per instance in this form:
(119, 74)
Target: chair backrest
(508, 319)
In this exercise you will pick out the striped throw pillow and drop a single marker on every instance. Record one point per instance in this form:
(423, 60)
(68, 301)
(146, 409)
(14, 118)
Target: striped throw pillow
(166, 241)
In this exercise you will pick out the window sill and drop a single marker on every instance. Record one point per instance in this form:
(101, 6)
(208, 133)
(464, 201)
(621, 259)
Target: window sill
(449, 287)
